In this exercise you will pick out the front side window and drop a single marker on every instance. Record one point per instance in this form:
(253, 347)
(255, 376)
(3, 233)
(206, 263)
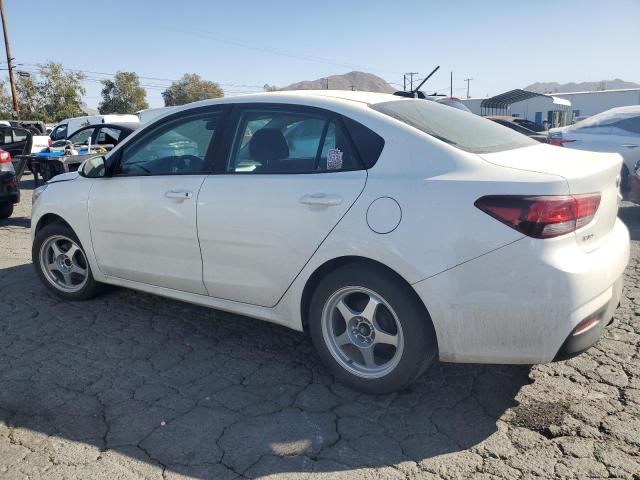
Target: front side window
(178, 146)
(630, 125)
(462, 130)
(277, 141)
(59, 133)
(108, 136)
(81, 137)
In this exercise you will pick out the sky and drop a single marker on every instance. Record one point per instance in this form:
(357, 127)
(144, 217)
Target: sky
(244, 44)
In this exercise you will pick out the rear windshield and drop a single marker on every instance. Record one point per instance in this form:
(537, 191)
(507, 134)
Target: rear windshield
(463, 130)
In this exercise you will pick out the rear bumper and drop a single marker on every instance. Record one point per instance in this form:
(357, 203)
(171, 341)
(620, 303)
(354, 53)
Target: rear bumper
(588, 332)
(520, 303)
(9, 190)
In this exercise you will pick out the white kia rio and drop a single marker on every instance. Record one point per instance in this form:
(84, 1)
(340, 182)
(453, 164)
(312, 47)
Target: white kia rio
(394, 230)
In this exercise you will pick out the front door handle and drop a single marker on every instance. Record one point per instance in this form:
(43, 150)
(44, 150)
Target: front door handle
(630, 145)
(179, 194)
(322, 199)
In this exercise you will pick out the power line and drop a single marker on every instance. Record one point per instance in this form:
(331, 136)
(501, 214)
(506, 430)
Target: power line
(284, 53)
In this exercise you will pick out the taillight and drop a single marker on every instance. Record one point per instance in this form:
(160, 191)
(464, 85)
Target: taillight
(541, 216)
(559, 141)
(5, 157)
(50, 142)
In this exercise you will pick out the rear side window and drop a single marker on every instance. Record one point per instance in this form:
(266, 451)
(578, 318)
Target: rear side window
(462, 130)
(368, 143)
(278, 141)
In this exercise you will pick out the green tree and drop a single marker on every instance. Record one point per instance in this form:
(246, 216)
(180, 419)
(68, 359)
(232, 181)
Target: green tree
(50, 95)
(123, 94)
(191, 88)
(6, 103)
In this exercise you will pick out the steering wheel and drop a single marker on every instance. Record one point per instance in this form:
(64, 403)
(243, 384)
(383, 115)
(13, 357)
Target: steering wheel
(185, 163)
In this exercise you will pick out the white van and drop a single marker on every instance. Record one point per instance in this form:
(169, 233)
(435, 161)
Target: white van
(66, 127)
(149, 114)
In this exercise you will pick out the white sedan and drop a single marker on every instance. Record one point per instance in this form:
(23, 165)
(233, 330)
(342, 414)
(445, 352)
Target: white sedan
(615, 130)
(395, 231)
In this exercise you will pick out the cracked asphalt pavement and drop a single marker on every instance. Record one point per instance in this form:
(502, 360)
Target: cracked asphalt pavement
(132, 386)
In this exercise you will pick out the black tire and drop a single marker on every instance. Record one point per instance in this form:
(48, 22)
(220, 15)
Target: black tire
(89, 290)
(6, 210)
(420, 348)
(624, 179)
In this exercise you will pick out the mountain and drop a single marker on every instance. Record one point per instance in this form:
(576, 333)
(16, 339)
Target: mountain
(357, 80)
(555, 87)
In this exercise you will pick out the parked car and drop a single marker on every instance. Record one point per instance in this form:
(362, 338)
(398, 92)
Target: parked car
(453, 102)
(508, 122)
(9, 188)
(411, 232)
(16, 141)
(615, 130)
(67, 155)
(523, 122)
(62, 130)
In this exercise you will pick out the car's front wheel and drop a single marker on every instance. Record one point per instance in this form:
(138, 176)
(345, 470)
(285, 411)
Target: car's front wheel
(61, 263)
(371, 329)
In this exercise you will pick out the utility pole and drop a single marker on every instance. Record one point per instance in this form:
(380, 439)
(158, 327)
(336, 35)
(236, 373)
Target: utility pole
(451, 86)
(12, 81)
(468, 80)
(410, 74)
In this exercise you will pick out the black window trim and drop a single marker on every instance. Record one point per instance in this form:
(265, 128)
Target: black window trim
(215, 145)
(223, 156)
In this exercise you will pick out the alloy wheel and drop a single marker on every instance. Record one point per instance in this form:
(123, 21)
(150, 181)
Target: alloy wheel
(64, 264)
(362, 332)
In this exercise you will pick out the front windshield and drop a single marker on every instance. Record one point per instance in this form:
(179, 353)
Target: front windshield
(460, 129)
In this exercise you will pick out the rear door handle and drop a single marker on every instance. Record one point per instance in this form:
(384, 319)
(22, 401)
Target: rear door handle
(630, 145)
(179, 194)
(322, 199)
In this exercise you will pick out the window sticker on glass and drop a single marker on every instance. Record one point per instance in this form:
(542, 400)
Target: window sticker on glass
(334, 159)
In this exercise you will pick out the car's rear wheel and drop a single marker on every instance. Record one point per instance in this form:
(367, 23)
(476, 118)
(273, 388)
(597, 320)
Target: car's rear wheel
(61, 263)
(371, 329)
(6, 210)
(624, 179)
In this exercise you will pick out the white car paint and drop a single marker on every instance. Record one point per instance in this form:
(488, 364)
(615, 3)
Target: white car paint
(599, 133)
(493, 294)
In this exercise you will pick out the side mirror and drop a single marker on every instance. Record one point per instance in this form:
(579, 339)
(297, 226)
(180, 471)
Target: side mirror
(94, 167)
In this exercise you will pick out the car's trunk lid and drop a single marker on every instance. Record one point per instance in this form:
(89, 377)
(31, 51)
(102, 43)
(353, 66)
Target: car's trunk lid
(585, 172)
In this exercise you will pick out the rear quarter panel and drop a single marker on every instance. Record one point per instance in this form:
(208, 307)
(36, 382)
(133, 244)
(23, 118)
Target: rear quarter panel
(436, 186)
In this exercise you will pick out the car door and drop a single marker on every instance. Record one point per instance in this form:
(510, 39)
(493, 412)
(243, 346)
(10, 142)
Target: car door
(143, 216)
(14, 140)
(288, 175)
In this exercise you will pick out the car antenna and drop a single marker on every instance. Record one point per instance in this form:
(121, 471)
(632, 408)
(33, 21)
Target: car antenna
(416, 93)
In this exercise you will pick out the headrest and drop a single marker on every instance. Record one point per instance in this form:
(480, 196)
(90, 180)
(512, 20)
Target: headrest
(268, 144)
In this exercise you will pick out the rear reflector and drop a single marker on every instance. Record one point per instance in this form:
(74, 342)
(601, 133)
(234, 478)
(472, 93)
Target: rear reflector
(559, 141)
(587, 324)
(541, 216)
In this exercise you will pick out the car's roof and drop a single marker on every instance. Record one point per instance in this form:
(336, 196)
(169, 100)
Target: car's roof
(313, 96)
(124, 125)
